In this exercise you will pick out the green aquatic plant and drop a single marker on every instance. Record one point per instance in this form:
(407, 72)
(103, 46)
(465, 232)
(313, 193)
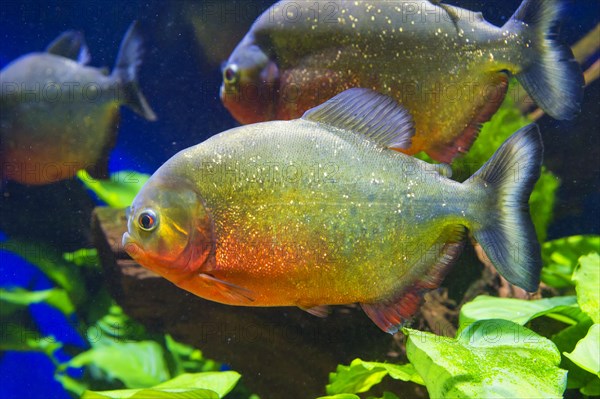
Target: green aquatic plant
(360, 376)
(489, 358)
(561, 256)
(121, 353)
(118, 191)
(494, 354)
(207, 385)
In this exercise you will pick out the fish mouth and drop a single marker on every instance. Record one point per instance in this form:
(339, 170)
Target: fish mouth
(130, 246)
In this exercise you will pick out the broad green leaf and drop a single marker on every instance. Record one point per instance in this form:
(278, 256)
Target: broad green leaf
(517, 310)
(587, 351)
(222, 382)
(360, 376)
(54, 297)
(340, 396)
(565, 340)
(117, 192)
(137, 365)
(560, 257)
(192, 393)
(587, 282)
(489, 359)
(186, 386)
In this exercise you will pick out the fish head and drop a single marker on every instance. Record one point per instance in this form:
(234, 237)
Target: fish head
(169, 230)
(250, 84)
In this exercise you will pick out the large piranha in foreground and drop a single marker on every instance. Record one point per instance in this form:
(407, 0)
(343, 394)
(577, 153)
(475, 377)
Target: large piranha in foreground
(319, 211)
(446, 65)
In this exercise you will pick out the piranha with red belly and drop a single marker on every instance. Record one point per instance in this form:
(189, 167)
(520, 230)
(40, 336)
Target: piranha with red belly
(319, 211)
(446, 65)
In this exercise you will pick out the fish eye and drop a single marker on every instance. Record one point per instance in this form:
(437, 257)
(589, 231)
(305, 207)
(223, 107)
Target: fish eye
(148, 220)
(230, 74)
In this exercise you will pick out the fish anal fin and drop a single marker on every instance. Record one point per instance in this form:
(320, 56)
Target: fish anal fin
(375, 116)
(319, 311)
(228, 290)
(390, 315)
(70, 44)
(492, 99)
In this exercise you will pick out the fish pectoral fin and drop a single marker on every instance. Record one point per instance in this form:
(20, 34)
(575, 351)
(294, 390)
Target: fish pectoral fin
(375, 116)
(70, 44)
(319, 311)
(230, 290)
(392, 314)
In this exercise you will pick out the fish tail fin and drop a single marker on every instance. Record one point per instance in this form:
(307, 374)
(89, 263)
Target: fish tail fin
(551, 75)
(505, 231)
(126, 72)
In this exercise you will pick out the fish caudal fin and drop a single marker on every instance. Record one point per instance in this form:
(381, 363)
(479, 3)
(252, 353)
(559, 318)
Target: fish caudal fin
(126, 71)
(552, 76)
(505, 231)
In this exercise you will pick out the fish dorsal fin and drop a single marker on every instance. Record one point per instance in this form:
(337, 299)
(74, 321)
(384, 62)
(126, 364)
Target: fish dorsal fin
(390, 315)
(70, 44)
(369, 113)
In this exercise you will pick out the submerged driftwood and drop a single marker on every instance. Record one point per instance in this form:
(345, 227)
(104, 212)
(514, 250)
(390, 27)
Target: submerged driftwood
(280, 352)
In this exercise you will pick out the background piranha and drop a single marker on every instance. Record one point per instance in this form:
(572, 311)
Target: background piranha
(446, 65)
(319, 211)
(59, 115)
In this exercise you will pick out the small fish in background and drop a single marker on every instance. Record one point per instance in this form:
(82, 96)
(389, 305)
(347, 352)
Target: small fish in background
(320, 211)
(60, 115)
(446, 65)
